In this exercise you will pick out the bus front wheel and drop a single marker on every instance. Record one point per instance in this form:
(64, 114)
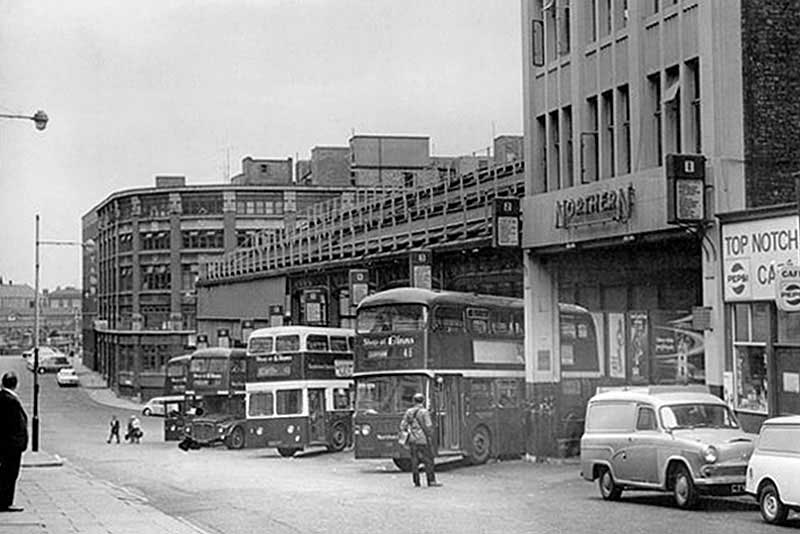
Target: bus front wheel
(236, 439)
(338, 438)
(403, 464)
(286, 452)
(480, 446)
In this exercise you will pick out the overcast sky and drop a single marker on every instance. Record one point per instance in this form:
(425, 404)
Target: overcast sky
(135, 89)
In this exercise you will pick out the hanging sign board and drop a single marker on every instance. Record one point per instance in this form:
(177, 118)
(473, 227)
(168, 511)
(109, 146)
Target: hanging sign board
(787, 287)
(686, 186)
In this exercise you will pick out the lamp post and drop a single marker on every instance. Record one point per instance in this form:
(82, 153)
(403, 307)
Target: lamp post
(35, 419)
(39, 118)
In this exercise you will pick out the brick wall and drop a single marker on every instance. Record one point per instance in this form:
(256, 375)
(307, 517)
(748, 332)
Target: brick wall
(771, 75)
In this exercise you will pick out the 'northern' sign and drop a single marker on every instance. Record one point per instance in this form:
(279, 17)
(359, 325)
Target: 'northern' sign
(753, 252)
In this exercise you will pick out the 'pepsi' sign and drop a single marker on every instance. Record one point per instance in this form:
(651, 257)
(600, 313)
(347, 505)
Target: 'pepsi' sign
(787, 288)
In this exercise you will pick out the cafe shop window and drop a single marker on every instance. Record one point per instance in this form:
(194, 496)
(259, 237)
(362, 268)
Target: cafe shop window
(750, 330)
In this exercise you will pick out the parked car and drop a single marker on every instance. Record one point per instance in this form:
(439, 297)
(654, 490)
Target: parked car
(67, 377)
(773, 473)
(679, 439)
(157, 406)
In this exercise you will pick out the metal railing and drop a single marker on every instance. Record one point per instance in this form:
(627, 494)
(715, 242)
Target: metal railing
(377, 221)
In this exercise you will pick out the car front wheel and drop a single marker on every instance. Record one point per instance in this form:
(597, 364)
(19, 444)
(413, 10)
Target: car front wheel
(147, 411)
(609, 490)
(772, 509)
(683, 488)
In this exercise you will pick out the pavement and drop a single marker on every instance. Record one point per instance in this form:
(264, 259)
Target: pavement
(58, 497)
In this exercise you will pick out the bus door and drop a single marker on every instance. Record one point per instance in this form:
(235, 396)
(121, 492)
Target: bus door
(174, 420)
(447, 398)
(510, 430)
(316, 414)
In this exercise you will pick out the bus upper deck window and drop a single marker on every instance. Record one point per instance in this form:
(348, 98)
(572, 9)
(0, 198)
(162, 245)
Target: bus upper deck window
(339, 344)
(317, 342)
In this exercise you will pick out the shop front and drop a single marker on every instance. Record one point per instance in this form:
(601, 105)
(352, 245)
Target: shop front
(614, 297)
(762, 308)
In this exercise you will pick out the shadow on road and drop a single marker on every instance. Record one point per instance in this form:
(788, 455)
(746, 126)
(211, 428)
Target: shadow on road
(711, 504)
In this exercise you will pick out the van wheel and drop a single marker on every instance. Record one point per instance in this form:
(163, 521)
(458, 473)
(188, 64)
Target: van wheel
(480, 446)
(41, 370)
(683, 488)
(772, 509)
(338, 438)
(285, 452)
(403, 464)
(609, 490)
(236, 439)
(146, 412)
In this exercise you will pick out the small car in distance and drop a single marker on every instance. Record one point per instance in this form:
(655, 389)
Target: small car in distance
(157, 406)
(67, 377)
(678, 439)
(773, 473)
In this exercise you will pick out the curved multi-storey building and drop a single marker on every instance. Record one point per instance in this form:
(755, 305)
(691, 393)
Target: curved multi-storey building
(139, 280)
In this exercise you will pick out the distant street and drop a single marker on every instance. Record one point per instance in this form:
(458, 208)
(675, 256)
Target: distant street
(221, 491)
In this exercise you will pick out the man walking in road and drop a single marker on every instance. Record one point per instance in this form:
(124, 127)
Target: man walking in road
(417, 422)
(13, 440)
(113, 429)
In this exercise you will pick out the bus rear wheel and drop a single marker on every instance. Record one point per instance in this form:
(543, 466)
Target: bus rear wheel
(403, 464)
(236, 439)
(480, 446)
(338, 438)
(286, 452)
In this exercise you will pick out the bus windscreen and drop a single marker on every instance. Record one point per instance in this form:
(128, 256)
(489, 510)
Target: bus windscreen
(388, 394)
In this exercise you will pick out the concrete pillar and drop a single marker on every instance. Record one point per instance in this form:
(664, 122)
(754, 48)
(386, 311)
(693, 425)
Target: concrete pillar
(714, 338)
(229, 220)
(175, 246)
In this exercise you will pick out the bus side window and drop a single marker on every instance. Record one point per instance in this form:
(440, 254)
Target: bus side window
(480, 393)
(507, 392)
(448, 319)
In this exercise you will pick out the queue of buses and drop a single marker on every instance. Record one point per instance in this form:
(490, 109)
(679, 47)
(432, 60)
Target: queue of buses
(295, 387)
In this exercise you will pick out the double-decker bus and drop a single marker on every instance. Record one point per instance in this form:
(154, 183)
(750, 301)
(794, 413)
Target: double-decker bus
(215, 397)
(463, 351)
(177, 370)
(299, 388)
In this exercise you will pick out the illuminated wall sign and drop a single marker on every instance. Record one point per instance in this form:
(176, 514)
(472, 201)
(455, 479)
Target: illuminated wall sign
(359, 285)
(686, 188)
(603, 206)
(420, 267)
(753, 253)
(505, 228)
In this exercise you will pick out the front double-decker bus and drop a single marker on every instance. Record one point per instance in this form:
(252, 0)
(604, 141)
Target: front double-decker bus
(215, 397)
(299, 388)
(462, 351)
(177, 371)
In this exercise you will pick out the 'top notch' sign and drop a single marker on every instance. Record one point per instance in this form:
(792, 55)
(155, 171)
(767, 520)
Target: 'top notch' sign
(754, 252)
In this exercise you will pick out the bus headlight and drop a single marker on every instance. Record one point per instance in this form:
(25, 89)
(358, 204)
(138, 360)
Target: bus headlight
(710, 454)
(365, 430)
(220, 430)
(290, 429)
(259, 431)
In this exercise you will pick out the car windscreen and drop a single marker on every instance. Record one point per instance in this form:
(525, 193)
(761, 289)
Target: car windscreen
(697, 415)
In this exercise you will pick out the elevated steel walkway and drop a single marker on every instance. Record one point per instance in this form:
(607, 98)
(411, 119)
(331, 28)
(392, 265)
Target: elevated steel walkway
(377, 222)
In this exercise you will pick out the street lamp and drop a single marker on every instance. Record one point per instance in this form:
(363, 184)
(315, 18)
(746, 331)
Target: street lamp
(39, 118)
(35, 420)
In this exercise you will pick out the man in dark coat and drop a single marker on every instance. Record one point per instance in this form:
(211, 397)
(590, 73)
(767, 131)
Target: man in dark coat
(13, 440)
(417, 422)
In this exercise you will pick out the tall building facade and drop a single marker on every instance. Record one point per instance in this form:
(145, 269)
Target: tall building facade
(139, 293)
(644, 122)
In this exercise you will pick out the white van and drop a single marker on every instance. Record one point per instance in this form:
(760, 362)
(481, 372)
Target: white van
(773, 473)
